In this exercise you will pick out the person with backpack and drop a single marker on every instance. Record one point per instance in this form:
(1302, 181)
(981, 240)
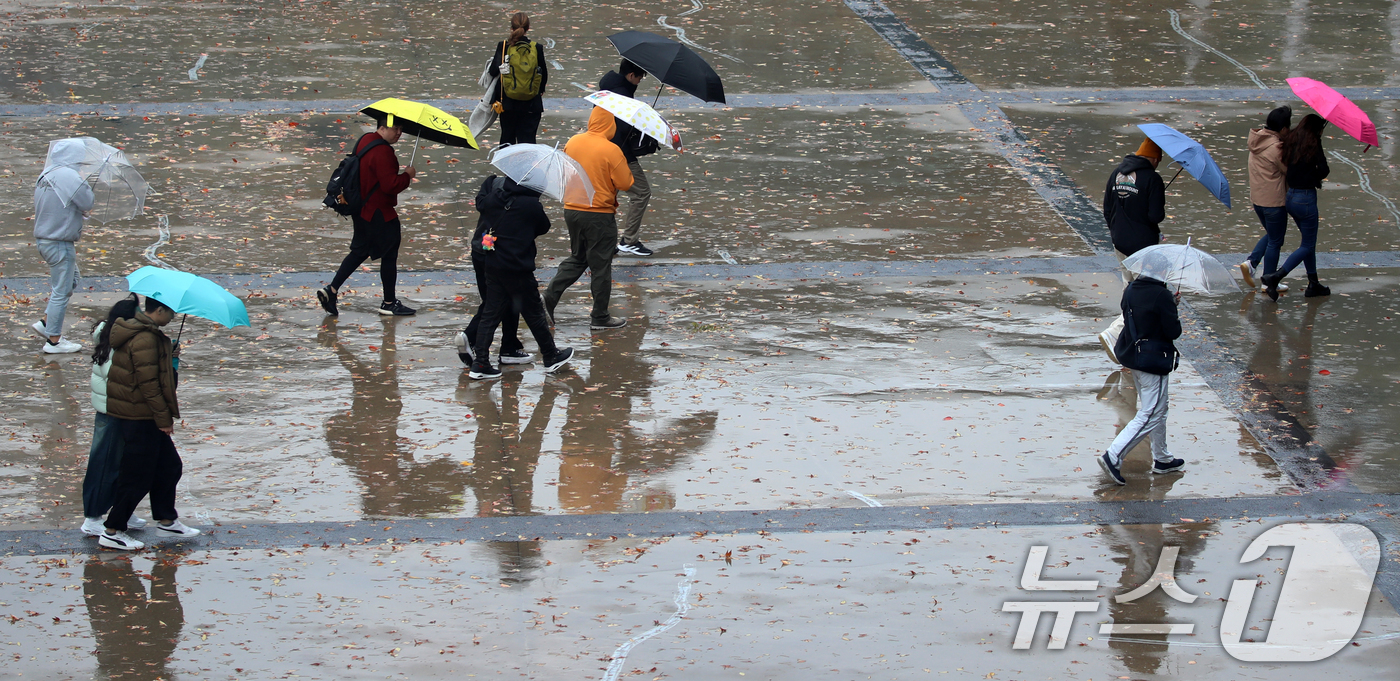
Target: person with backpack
(1307, 168)
(634, 145)
(373, 169)
(1134, 204)
(520, 65)
(1147, 350)
(490, 208)
(517, 219)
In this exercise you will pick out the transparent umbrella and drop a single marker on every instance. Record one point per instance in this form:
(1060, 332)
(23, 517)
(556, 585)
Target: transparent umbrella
(545, 169)
(119, 191)
(1186, 268)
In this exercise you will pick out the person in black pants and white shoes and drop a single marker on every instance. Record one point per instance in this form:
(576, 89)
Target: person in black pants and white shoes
(509, 249)
(1150, 310)
(491, 204)
(634, 145)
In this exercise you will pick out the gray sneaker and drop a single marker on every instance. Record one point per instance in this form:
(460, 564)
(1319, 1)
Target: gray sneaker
(610, 323)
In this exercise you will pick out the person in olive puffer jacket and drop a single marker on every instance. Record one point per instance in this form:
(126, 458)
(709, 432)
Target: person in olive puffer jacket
(141, 399)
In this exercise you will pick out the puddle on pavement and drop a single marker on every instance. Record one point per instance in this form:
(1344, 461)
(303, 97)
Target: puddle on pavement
(717, 395)
(830, 605)
(243, 194)
(1331, 361)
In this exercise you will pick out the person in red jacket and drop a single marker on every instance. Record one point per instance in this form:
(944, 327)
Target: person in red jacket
(377, 227)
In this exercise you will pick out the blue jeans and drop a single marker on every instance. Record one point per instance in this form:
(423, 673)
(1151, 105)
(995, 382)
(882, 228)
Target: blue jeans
(1302, 205)
(1275, 221)
(62, 259)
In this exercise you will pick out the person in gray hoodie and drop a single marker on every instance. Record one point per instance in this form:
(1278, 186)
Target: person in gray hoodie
(62, 199)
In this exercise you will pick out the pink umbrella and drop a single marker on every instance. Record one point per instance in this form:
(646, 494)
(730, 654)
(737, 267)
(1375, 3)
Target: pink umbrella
(1337, 109)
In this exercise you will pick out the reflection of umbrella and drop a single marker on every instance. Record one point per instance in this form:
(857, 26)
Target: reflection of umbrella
(422, 121)
(1185, 267)
(546, 170)
(118, 189)
(1337, 109)
(638, 115)
(671, 62)
(189, 294)
(1192, 156)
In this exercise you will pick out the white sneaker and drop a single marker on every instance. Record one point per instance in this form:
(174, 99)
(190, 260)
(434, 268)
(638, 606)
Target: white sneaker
(62, 347)
(1250, 273)
(92, 527)
(1108, 349)
(134, 523)
(119, 541)
(1281, 287)
(177, 528)
(40, 329)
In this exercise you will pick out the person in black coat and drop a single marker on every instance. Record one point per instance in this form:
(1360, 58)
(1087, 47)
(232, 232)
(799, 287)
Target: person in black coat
(634, 145)
(490, 205)
(1152, 325)
(1307, 168)
(1134, 204)
(516, 218)
(520, 118)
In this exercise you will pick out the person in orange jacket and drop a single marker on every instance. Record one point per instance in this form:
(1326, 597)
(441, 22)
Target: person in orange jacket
(593, 226)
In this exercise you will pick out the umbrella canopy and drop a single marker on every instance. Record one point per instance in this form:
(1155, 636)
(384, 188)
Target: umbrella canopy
(1182, 266)
(639, 115)
(118, 189)
(671, 63)
(189, 294)
(545, 169)
(423, 121)
(1337, 109)
(1192, 156)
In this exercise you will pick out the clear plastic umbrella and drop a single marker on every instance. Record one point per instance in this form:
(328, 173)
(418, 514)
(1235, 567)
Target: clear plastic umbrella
(119, 191)
(545, 169)
(1182, 266)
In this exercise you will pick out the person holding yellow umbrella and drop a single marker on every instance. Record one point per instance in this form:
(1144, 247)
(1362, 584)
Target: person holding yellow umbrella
(378, 231)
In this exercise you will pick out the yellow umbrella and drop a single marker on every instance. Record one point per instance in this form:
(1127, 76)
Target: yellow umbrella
(423, 121)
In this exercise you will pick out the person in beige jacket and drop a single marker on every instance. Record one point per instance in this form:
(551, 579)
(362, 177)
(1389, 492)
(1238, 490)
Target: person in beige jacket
(1268, 192)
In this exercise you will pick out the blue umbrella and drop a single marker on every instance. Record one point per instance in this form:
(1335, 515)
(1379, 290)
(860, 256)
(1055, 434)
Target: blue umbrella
(1192, 156)
(189, 294)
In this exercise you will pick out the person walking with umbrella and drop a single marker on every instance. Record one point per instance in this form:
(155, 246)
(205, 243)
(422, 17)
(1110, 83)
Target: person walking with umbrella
(378, 231)
(523, 74)
(62, 198)
(1307, 168)
(1134, 204)
(593, 225)
(1268, 192)
(634, 145)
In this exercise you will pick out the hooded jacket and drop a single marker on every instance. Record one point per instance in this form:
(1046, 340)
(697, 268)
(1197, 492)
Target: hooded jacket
(602, 160)
(1153, 311)
(141, 379)
(1267, 173)
(61, 195)
(1134, 203)
(513, 215)
(630, 140)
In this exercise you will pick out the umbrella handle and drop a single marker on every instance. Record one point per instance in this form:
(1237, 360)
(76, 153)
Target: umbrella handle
(416, 139)
(1169, 184)
(1368, 148)
(663, 85)
(182, 329)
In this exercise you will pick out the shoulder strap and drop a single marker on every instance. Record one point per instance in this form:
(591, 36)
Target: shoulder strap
(361, 153)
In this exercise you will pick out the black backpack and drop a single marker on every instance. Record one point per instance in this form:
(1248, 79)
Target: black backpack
(343, 191)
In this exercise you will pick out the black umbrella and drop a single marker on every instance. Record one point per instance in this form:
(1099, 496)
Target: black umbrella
(672, 63)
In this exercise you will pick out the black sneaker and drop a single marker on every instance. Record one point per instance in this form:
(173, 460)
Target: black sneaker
(1107, 465)
(1168, 467)
(559, 360)
(483, 369)
(516, 357)
(1315, 290)
(464, 348)
(634, 249)
(396, 309)
(610, 323)
(328, 299)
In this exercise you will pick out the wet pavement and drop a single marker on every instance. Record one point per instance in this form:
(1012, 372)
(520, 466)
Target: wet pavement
(860, 380)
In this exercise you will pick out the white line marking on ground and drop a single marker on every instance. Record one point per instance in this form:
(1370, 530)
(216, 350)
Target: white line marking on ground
(696, 6)
(1365, 182)
(1176, 26)
(581, 86)
(868, 501)
(163, 239)
(194, 72)
(727, 257)
(682, 599)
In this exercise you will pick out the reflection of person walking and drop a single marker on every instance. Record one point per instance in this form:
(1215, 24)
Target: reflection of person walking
(1268, 193)
(378, 231)
(105, 455)
(634, 145)
(1307, 168)
(1151, 311)
(593, 226)
(61, 198)
(1134, 204)
(141, 398)
(518, 218)
(521, 67)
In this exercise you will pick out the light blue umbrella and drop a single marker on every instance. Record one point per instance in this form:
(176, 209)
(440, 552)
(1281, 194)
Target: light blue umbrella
(186, 293)
(1192, 156)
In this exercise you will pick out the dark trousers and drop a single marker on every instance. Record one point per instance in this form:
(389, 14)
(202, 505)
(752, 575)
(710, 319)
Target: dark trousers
(592, 244)
(150, 465)
(519, 128)
(376, 238)
(510, 318)
(1302, 205)
(1275, 221)
(103, 466)
(506, 289)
